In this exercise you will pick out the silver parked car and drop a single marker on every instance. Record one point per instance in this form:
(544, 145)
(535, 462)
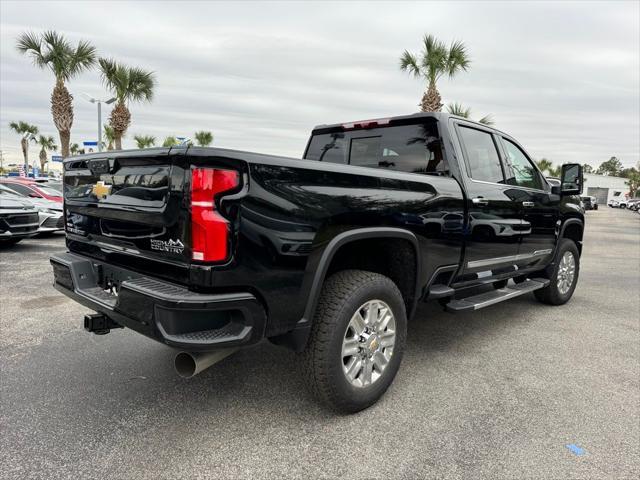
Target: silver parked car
(50, 218)
(18, 218)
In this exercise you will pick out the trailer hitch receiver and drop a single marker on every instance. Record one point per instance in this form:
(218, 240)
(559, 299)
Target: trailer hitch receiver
(99, 324)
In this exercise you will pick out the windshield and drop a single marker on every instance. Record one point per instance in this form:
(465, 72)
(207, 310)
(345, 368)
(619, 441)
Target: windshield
(7, 191)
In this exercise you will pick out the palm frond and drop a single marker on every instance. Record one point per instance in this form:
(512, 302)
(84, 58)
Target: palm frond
(52, 50)
(47, 142)
(127, 83)
(30, 44)
(487, 120)
(82, 58)
(457, 58)
(434, 57)
(458, 109)
(22, 128)
(57, 54)
(544, 164)
(170, 141)
(141, 84)
(145, 141)
(203, 138)
(408, 62)
(109, 134)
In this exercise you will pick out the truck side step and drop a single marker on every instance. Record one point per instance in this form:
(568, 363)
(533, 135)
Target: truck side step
(440, 291)
(482, 300)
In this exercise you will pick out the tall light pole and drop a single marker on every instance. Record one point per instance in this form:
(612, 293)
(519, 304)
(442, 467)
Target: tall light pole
(99, 102)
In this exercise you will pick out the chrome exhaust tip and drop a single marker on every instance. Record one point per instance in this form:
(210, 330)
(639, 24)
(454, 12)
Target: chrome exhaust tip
(189, 364)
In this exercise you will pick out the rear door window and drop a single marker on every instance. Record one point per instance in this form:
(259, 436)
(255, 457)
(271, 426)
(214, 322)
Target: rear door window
(481, 155)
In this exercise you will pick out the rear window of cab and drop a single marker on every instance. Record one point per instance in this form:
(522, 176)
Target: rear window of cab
(408, 148)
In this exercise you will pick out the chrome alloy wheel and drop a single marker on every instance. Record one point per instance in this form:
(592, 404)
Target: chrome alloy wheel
(566, 272)
(368, 343)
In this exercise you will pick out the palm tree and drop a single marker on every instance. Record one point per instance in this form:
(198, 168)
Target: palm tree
(459, 110)
(145, 141)
(46, 143)
(51, 50)
(28, 132)
(204, 139)
(128, 84)
(544, 165)
(435, 60)
(170, 141)
(109, 136)
(74, 149)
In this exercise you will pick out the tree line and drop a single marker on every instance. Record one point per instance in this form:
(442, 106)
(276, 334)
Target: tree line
(612, 167)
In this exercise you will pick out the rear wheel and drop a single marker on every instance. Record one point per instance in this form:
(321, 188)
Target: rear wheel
(357, 340)
(564, 277)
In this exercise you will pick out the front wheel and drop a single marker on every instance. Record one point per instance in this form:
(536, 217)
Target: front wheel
(357, 340)
(564, 276)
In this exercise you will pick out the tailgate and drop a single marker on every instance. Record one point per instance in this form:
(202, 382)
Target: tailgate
(132, 209)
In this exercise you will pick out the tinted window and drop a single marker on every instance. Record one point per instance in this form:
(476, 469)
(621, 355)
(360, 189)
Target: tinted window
(524, 173)
(408, 148)
(365, 151)
(329, 147)
(21, 189)
(482, 155)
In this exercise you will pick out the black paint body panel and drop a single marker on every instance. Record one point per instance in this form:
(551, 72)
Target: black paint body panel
(284, 217)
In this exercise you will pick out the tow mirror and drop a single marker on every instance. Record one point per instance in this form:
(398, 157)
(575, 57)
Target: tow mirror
(571, 180)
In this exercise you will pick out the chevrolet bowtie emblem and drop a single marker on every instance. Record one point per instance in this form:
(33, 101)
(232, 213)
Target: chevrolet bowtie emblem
(100, 190)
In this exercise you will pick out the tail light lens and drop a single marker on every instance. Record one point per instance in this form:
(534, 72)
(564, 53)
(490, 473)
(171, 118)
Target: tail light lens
(210, 230)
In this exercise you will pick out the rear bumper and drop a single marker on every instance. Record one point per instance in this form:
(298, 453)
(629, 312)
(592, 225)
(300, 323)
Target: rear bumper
(163, 311)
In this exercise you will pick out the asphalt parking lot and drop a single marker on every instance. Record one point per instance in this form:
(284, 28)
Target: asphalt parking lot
(500, 393)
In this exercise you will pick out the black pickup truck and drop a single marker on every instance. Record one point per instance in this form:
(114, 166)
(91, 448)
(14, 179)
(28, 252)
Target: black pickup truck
(208, 250)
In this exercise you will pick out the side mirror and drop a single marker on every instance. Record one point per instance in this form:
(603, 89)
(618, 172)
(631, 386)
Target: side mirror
(571, 180)
(34, 195)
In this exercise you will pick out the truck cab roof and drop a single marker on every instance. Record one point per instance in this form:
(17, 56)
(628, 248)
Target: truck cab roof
(442, 117)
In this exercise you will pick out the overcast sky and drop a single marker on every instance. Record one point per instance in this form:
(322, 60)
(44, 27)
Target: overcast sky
(563, 78)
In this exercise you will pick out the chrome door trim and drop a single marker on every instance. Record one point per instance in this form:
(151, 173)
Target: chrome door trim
(511, 258)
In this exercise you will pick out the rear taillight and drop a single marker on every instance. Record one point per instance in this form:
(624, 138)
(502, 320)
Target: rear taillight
(209, 229)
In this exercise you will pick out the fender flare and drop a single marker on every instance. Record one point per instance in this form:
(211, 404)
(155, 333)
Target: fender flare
(350, 236)
(317, 271)
(569, 221)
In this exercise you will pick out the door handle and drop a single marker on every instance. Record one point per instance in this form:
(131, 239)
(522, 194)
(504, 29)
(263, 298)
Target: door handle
(528, 204)
(480, 201)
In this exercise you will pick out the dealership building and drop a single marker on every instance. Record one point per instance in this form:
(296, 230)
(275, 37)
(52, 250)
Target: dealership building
(605, 187)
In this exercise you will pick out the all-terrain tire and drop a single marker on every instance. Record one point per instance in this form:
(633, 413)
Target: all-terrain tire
(342, 295)
(551, 294)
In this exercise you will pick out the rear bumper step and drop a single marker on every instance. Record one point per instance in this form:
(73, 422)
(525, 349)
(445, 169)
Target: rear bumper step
(486, 299)
(163, 311)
